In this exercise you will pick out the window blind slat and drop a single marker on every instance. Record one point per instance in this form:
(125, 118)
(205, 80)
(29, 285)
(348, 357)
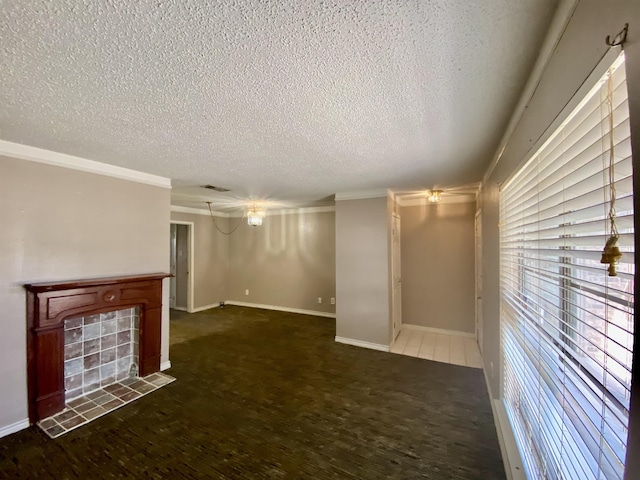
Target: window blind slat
(567, 327)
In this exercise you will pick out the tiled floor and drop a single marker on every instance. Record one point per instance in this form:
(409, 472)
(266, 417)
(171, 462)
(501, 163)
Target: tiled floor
(439, 347)
(82, 410)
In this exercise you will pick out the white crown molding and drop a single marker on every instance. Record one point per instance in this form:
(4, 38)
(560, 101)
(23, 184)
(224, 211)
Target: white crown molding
(197, 211)
(556, 30)
(34, 154)
(415, 202)
(301, 210)
(360, 343)
(14, 427)
(362, 194)
(455, 333)
(290, 211)
(281, 309)
(282, 211)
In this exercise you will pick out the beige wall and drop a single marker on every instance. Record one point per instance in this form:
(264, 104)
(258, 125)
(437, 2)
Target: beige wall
(211, 258)
(62, 224)
(438, 268)
(362, 270)
(289, 261)
(577, 54)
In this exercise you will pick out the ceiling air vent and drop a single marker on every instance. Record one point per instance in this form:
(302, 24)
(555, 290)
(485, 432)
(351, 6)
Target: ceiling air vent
(217, 189)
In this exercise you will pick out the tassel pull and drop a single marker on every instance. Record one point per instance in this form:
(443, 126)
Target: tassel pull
(611, 255)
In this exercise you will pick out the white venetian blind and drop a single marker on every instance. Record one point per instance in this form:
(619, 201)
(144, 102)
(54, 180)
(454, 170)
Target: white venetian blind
(567, 327)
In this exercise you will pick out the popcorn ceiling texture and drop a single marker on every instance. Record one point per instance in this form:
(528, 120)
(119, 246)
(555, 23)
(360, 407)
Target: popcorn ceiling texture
(281, 99)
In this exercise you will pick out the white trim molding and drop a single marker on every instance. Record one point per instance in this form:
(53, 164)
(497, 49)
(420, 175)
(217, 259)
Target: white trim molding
(556, 30)
(446, 199)
(197, 211)
(34, 154)
(165, 365)
(288, 211)
(240, 211)
(301, 210)
(360, 343)
(205, 307)
(513, 466)
(14, 427)
(442, 331)
(382, 192)
(281, 309)
(192, 256)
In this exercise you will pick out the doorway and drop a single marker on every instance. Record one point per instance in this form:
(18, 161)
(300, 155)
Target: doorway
(396, 290)
(181, 265)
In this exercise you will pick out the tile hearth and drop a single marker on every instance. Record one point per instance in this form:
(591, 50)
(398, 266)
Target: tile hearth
(83, 410)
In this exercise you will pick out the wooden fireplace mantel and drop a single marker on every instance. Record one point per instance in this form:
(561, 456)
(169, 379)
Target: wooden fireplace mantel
(49, 304)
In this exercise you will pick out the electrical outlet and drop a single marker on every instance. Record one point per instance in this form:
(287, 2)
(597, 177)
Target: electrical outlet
(319, 299)
(246, 292)
(333, 301)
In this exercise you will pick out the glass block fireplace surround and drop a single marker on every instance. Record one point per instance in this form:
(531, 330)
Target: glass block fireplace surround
(85, 334)
(99, 350)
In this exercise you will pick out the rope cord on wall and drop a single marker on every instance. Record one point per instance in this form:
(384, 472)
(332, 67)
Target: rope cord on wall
(216, 224)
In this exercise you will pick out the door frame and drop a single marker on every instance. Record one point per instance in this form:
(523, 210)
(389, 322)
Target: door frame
(190, 262)
(479, 287)
(396, 323)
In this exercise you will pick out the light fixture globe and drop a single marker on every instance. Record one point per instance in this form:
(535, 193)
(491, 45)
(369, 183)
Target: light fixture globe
(435, 196)
(255, 215)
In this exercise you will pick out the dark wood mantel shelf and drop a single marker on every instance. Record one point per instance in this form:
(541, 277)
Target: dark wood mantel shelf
(49, 304)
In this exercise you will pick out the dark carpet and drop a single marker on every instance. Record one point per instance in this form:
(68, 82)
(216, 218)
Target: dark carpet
(269, 395)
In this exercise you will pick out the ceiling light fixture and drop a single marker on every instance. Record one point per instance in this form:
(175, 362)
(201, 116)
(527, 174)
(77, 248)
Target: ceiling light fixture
(255, 215)
(434, 196)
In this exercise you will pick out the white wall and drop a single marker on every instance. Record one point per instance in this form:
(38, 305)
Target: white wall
(362, 271)
(63, 224)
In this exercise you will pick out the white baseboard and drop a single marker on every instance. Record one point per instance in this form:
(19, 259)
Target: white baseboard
(508, 447)
(360, 343)
(455, 333)
(182, 309)
(281, 309)
(14, 427)
(205, 307)
(165, 365)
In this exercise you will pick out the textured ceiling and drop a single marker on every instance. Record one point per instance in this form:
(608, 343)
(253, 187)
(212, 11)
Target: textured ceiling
(284, 100)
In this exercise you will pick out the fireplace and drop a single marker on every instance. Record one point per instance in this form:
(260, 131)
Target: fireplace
(50, 304)
(99, 350)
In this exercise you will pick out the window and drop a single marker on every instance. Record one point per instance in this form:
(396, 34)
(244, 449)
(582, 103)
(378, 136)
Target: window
(567, 327)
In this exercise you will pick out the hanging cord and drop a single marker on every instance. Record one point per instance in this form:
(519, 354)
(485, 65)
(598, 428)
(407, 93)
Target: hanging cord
(611, 253)
(612, 179)
(216, 224)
